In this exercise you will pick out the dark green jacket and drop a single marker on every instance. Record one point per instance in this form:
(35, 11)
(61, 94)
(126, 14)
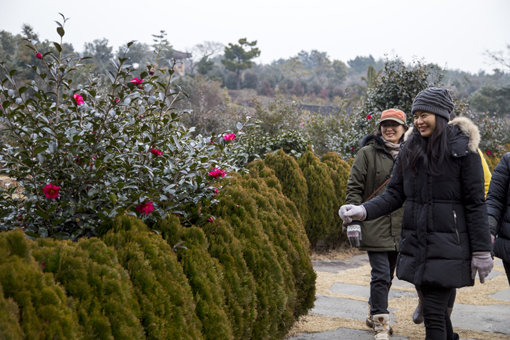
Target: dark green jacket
(371, 167)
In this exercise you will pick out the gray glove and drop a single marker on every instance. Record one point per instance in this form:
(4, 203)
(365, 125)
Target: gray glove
(481, 261)
(349, 212)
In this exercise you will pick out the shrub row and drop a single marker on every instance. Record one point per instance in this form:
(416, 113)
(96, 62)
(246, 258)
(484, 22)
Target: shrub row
(317, 188)
(245, 274)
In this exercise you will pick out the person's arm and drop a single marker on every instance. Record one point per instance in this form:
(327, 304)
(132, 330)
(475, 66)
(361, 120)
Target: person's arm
(357, 178)
(392, 198)
(486, 172)
(497, 195)
(472, 184)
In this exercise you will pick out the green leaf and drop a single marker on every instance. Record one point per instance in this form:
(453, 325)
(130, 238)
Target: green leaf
(60, 31)
(57, 46)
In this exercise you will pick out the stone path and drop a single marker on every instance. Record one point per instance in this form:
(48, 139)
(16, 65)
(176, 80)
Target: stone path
(480, 312)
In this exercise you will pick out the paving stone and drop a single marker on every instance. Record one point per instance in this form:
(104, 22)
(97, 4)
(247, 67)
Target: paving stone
(343, 333)
(502, 295)
(491, 318)
(364, 291)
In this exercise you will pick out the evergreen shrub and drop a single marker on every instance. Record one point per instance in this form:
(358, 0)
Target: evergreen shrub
(161, 287)
(323, 224)
(258, 216)
(291, 179)
(103, 295)
(36, 300)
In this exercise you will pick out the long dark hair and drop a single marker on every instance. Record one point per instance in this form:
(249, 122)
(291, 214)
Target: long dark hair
(430, 151)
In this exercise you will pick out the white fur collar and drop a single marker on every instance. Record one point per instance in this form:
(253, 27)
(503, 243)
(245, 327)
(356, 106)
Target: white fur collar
(467, 126)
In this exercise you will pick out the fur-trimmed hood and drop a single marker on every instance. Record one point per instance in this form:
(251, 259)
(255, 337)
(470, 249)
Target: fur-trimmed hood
(465, 126)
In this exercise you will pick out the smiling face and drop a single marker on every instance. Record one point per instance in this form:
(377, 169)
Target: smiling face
(425, 122)
(392, 131)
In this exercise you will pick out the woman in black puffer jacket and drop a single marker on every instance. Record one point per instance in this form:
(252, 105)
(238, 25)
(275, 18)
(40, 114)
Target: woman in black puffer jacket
(498, 208)
(445, 235)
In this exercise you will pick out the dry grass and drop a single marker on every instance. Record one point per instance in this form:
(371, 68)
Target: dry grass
(403, 307)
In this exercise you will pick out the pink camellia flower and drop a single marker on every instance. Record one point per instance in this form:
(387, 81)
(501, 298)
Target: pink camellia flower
(38, 55)
(369, 117)
(145, 208)
(117, 100)
(156, 152)
(302, 124)
(212, 142)
(228, 137)
(136, 81)
(217, 173)
(211, 219)
(51, 191)
(79, 99)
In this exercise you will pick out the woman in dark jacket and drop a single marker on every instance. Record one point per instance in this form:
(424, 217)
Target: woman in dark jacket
(445, 235)
(498, 208)
(379, 237)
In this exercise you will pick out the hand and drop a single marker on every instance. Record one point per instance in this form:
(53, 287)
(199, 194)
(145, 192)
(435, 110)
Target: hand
(481, 261)
(349, 212)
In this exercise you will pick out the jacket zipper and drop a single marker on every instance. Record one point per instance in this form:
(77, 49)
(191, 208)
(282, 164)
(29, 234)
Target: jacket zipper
(456, 230)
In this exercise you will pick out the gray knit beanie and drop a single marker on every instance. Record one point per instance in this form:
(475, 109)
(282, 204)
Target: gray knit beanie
(434, 100)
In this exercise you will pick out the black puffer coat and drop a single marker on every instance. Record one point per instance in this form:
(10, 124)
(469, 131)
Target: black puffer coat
(445, 217)
(498, 206)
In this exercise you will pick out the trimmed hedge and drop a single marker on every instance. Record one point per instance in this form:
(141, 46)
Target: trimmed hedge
(246, 274)
(322, 227)
(291, 179)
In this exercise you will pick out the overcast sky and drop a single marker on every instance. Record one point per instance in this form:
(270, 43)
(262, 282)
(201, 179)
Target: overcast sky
(452, 33)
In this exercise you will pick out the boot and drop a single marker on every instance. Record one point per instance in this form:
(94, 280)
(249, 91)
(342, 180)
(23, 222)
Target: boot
(382, 326)
(369, 321)
(418, 312)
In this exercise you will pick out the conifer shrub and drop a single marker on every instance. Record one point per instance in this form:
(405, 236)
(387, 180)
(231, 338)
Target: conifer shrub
(237, 282)
(104, 298)
(9, 318)
(205, 276)
(339, 170)
(43, 307)
(323, 226)
(291, 179)
(162, 289)
(282, 223)
(259, 215)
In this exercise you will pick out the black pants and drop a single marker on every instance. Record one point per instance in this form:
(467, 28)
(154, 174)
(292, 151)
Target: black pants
(383, 269)
(438, 325)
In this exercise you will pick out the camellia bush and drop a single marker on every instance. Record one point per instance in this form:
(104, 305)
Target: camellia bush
(81, 154)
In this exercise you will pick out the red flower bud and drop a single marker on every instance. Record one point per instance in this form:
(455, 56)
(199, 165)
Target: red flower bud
(38, 55)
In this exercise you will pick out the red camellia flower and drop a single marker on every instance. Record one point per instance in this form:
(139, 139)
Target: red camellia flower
(145, 208)
(79, 99)
(136, 81)
(369, 117)
(231, 136)
(217, 173)
(210, 219)
(488, 152)
(156, 152)
(117, 100)
(216, 190)
(38, 55)
(51, 191)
